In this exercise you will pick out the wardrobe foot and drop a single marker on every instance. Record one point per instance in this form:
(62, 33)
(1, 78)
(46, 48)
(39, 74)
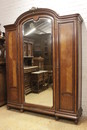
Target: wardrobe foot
(8, 107)
(21, 110)
(56, 117)
(76, 121)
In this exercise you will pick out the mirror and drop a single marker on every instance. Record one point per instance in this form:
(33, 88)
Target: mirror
(38, 61)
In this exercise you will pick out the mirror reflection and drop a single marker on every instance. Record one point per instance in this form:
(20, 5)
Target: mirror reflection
(38, 62)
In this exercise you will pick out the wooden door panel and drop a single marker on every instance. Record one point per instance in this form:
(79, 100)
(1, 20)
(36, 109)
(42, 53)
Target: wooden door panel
(66, 53)
(12, 66)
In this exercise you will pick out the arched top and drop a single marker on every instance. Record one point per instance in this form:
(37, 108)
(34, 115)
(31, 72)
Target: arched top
(43, 11)
(36, 11)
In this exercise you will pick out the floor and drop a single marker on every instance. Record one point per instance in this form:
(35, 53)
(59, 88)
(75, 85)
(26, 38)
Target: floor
(44, 98)
(14, 120)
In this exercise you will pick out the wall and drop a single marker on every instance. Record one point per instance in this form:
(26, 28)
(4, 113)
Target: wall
(11, 9)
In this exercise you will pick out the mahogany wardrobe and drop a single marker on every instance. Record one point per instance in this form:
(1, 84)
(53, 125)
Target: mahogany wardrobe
(44, 63)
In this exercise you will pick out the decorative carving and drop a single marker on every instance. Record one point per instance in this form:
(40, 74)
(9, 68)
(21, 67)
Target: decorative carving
(33, 8)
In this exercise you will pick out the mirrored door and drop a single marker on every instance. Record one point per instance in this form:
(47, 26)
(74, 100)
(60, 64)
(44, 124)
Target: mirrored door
(38, 61)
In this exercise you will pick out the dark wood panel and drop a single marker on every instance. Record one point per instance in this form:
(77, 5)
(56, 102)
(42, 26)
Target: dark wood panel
(66, 44)
(12, 59)
(13, 95)
(12, 66)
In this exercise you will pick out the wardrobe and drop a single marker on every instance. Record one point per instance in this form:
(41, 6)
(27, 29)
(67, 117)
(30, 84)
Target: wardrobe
(3, 93)
(55, 88)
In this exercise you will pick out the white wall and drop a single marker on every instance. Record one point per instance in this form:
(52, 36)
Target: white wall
(11, 9)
